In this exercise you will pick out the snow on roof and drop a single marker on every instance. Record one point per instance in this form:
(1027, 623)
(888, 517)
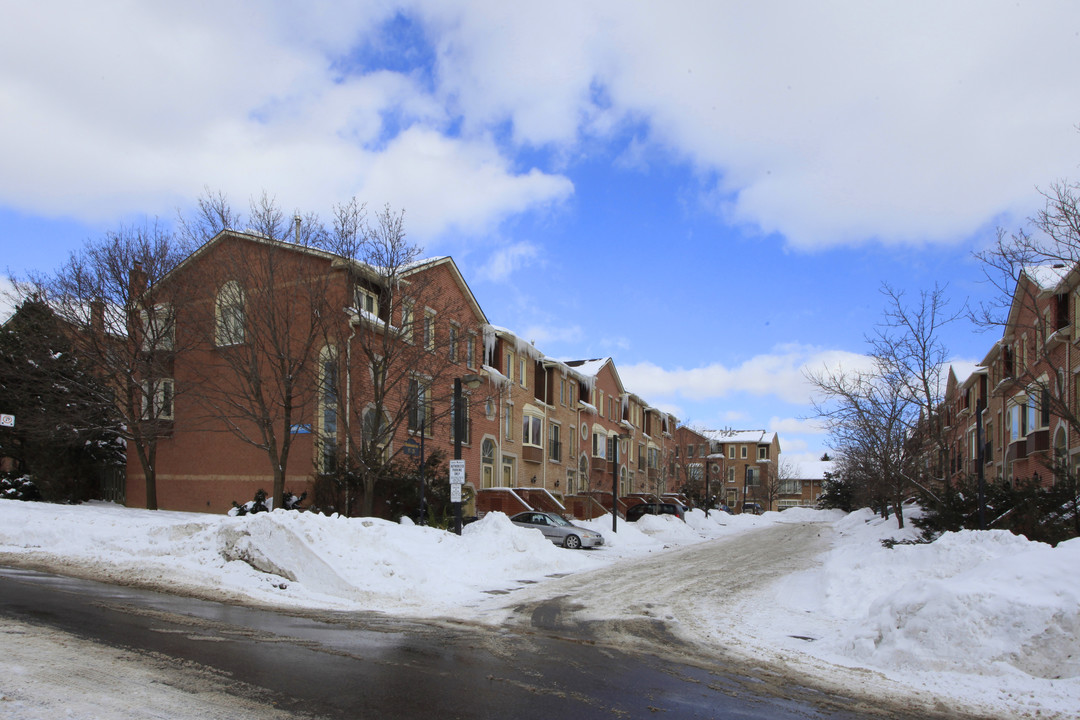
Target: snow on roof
(743, 436)
(588, 367)
(1047, 277)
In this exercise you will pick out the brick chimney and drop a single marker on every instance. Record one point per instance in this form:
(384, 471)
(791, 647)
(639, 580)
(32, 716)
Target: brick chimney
(136, 281)
(97, 318)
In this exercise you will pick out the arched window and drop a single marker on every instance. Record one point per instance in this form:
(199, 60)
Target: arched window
(230, 314)
(487, 461)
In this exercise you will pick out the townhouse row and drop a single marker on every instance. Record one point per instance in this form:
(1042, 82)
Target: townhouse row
(1015, 417)
(390, 350)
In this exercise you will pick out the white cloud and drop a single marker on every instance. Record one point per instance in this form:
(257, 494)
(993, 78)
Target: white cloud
(780, 374)
(545, 334)
(827, 122)
(117, 109)
(797, 426)
(507, 260)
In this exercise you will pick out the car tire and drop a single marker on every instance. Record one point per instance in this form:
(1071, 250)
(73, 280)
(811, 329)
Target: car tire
(573, 542)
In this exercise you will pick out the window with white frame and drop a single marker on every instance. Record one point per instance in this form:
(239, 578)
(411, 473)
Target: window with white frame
(763, 452)
(419, 406)
(408, 319)
(455, 332)
(466, 421)
(229, 311)
(599, 444)
(429, 330)
(509, 366)
(753, 476)
(731, 452)
(367, 301)
(522, 375)
(158, 327)
(158, 397)
(532, 430)
(742, 451)
(470, 351)
(328, 410)
(731, 475)
(508, 421)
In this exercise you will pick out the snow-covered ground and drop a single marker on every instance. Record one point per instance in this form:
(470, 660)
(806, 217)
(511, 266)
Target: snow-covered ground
(986, 620)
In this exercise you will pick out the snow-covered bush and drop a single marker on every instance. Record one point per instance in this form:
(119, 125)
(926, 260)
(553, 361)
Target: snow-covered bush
(20, 487)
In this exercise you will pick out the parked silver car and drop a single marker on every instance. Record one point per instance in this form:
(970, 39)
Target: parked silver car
(558, 530)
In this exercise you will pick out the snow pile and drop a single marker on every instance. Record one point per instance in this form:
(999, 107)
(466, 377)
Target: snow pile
(983, 616)
(969, 602)
(291, 558)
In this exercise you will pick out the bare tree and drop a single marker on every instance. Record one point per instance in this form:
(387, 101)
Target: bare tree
(408, 340)
(261, 335)
(870, 416)
(115, 296)
(885, 421)
(909, 345)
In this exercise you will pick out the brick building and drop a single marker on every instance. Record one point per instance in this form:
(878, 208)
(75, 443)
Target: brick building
(287, 364)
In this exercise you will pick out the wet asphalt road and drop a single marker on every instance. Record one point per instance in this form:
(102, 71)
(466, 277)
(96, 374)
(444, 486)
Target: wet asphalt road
(370, 666)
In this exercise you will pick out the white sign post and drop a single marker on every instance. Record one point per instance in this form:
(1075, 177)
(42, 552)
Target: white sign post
(457, 479)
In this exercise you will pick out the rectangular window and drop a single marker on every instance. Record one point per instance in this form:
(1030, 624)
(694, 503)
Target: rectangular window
(367, 301)
(654, 458)
(753, 476)
(742, 451)
(521, 372)
(161, 407)
(763, 452)
(731, 475)
(562, 391)
(158, 328)
(429, 330)
(532, 428)
(508, 422)
(554, 443)
(509, 367)
(408, 317)
(689, 451)
(455, 331)
(695, 472)
(466, 428)
(419, 406)
(599, 445)
(731, 452)
(470, 351)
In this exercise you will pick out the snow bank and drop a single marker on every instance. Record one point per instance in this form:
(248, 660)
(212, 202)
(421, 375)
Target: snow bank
(984, 616)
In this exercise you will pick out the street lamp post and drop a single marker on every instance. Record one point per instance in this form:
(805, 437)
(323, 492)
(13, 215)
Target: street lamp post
(472, 381)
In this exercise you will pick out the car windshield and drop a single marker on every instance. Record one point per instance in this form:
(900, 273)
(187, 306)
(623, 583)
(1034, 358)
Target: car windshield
(559, 520)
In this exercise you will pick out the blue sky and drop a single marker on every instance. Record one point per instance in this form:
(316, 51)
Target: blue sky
(711, 193)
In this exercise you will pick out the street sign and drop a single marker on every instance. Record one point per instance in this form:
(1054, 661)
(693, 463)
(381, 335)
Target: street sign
(7, 421)
(412, 447)
(455, 492)
(457, 475)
